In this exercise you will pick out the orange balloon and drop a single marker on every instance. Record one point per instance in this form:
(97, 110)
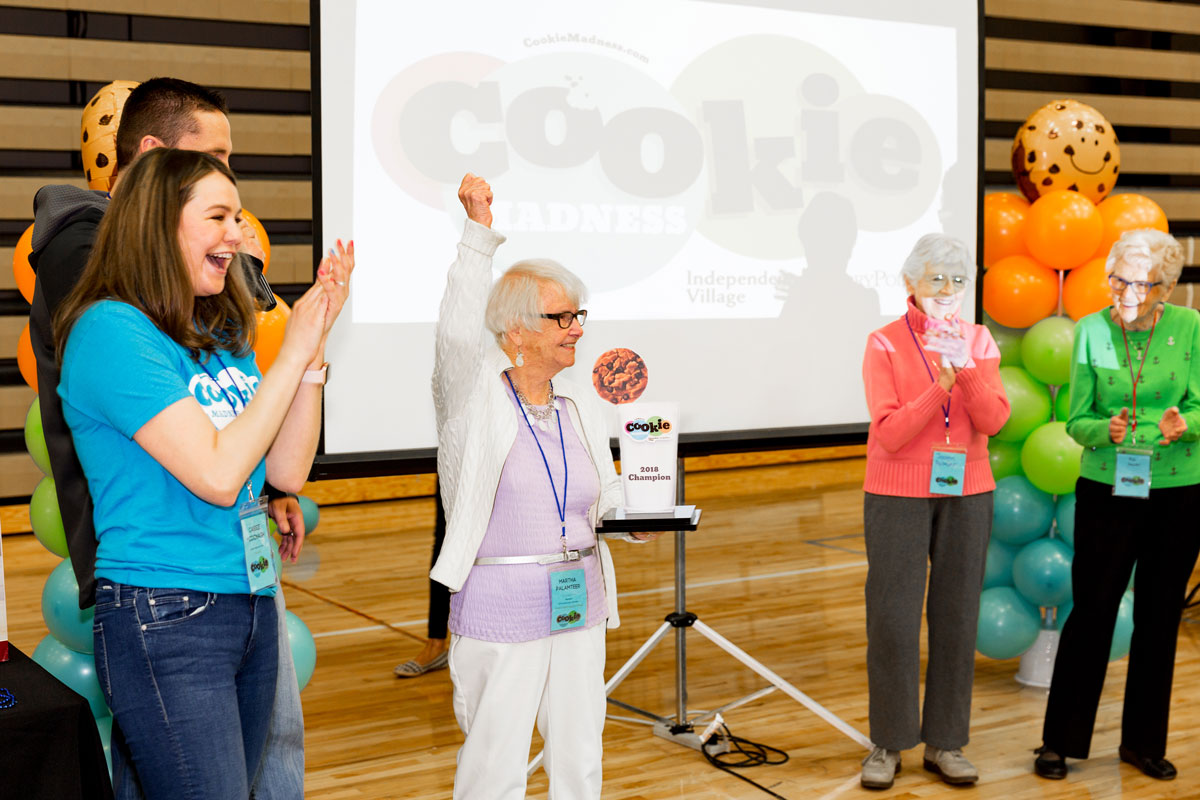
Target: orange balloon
(22, 271)
(1004, 218)
(26, 363)
(1063, 230)
(1086, 289)
(1018, 291)
(268, 336)
(1127, 212)
(261, 233)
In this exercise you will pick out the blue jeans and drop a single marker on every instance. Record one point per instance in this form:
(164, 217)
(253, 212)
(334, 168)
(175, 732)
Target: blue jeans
(281, 772)
(190, 677)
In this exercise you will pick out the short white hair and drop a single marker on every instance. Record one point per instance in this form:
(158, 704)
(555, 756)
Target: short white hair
(1163, 250)
(516, 298)
(938, 250)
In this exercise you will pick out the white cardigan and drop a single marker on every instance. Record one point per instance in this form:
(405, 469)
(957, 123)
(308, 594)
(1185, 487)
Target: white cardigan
(477, 426)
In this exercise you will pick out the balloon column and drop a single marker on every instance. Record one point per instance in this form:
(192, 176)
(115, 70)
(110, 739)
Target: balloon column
(66, 651)
(1044, 255)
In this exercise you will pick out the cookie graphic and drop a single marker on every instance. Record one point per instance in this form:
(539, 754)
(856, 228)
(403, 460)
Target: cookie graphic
(620, 376)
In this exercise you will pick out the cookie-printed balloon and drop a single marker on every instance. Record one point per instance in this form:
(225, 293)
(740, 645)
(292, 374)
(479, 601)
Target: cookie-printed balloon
(1066, 145)
(98, 133)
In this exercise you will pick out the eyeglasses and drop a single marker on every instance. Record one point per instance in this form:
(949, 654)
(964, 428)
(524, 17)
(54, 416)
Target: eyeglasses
(565, 318)
(1119, 284)
(939, 281)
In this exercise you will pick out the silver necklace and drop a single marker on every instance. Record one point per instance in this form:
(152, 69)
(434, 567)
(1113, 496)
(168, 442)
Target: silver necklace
(541, 414)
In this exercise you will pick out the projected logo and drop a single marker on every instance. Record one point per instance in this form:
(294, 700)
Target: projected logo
(653, 428)
(603, 164)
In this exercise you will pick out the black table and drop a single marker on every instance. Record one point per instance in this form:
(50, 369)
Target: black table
(49, 746)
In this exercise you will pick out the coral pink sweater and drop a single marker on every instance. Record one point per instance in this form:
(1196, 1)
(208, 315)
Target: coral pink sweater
(906, 407)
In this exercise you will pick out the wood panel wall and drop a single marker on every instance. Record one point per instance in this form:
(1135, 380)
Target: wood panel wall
(1137, 61)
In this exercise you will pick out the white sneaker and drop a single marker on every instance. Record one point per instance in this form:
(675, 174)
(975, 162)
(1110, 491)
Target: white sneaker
(880, 768)
(952, 765)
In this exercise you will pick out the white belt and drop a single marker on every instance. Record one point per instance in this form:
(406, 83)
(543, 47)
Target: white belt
(549, 558)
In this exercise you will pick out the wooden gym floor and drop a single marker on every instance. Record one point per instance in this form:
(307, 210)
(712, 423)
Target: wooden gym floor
(777, 567)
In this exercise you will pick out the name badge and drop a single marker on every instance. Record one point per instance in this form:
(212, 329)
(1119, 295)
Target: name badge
(1132, 477)
(568, 599)
(949, 469)
(257, 543)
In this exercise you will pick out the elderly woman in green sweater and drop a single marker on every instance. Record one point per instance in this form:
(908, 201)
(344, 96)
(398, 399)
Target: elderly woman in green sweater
(1135, 408)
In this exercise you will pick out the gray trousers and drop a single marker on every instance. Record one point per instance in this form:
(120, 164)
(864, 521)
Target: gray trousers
(901, 533)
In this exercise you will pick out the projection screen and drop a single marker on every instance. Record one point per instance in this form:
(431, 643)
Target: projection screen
(737, 183)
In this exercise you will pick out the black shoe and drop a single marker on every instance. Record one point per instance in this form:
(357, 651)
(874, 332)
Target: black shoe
(1049, 764)
(1158, 768)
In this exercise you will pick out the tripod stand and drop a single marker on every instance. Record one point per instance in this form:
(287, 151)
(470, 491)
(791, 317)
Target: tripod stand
(681, 729)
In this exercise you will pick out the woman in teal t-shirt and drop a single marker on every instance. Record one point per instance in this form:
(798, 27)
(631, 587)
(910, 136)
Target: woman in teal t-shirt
(176, 430)
(1135, 408)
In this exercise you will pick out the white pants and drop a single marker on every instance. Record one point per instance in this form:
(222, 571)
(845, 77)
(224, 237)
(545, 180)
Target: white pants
(501, 689)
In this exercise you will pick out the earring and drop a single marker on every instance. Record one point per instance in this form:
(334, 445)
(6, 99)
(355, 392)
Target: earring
(520, 360)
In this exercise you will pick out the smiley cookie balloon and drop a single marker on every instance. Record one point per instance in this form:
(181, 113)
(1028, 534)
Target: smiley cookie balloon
(98, 133)
(1066, 145)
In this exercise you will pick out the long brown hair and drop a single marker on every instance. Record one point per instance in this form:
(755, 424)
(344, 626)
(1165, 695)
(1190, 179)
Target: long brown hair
(137, 259)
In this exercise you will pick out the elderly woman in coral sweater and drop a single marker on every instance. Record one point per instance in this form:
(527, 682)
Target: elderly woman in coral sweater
(934, 395)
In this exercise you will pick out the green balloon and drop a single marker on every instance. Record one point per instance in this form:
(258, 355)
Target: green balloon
(1008, 340)
(1005, 458)
(1062, 403)
(1050, 458)
(35, 440)
(45, 518)
(1046, 350)
(1030, 403)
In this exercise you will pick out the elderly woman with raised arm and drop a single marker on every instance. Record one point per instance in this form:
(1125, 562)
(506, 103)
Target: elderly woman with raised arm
(526, 472)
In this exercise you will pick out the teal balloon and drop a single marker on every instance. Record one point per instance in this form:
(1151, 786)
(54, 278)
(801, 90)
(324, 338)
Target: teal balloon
(1123, 631)
(76, 670)
(1062, 403)
(997, 570)
(304, 649)
(1064, 518)
(1008, 623)
(60, 610)
(45, 518)
(104, 728)
(1008, 340)
(1029, 402)
(1050, 458)
(1042, 572)
(312, 514)
(35, 439)
(1046, 350)
(1005, 458)
(1020, 511)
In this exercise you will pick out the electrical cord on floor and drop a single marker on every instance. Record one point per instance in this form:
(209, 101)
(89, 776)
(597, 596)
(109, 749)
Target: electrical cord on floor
(743, 754)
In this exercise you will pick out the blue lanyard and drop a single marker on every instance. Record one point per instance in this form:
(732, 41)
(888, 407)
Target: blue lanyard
(925, 361)
(232, 405)
(561, 509)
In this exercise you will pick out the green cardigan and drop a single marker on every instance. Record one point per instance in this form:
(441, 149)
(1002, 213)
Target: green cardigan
(1101, 385)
